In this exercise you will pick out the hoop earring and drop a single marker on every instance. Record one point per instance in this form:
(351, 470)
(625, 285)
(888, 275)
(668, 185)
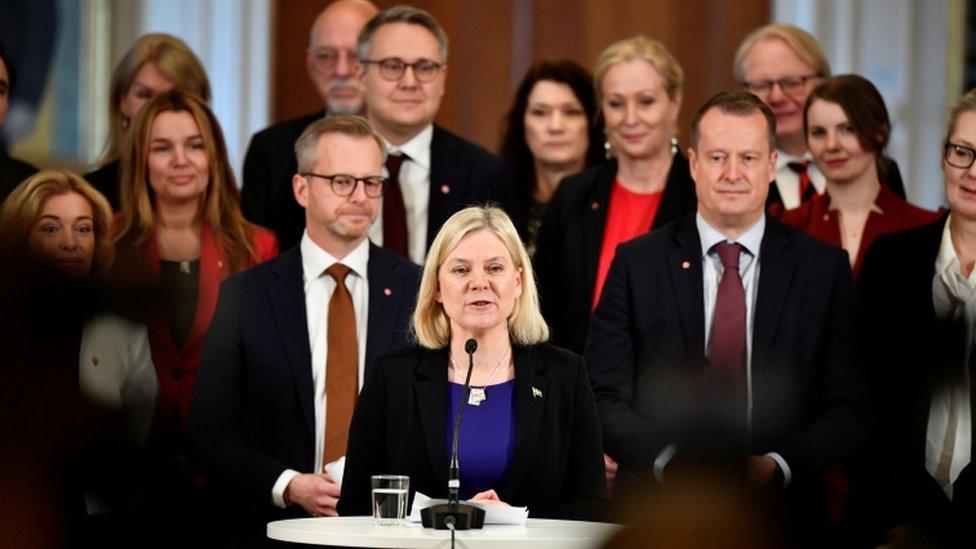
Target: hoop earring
(674, 146)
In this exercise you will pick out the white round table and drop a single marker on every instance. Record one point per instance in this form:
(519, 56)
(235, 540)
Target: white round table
(362, 532)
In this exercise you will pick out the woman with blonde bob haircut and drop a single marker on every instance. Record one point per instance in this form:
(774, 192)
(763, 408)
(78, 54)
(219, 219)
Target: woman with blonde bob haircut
(430, 321)
(530, 435)
(155, 63)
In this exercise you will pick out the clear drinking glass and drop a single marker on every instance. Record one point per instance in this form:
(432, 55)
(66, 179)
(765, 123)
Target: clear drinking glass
(390, 494)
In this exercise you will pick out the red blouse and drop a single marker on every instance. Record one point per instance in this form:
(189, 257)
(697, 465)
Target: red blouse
(629, 215)
(891, 213)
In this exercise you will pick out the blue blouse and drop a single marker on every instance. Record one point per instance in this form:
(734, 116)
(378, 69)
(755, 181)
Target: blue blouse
(487, 439)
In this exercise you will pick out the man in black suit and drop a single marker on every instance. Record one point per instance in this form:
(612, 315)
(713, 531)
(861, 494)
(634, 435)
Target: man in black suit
(433, 173)
(726, 337)
(266, 195)
(289, 342)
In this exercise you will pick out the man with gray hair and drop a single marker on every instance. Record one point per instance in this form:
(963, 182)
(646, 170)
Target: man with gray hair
(433, 173)
(289, 343)
(269, 164)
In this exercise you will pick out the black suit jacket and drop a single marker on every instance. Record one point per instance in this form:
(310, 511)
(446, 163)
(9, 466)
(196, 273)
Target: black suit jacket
(400, 427)
(106, 179)
(912, 351)
(471, 176)
(267, 198)
(646, 353)
(12, 173)
(571, 237)
(252, 413)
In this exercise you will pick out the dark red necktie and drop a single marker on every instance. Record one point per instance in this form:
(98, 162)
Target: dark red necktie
(806, 187)
(394, 212)
(728, 336)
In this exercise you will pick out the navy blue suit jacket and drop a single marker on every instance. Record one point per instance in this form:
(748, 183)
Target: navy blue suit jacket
(252, 414)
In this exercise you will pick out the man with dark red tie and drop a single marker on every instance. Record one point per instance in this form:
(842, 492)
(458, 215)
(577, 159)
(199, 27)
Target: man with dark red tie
(728, 338)
(286, 353)
(433, 173)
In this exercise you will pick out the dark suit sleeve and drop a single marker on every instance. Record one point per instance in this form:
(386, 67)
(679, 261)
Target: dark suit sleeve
(498, 180)
(256, 188)
(841, 423)
(628, 438)
(366, 449)
(546, 261)
(584, 490)
(216, 434)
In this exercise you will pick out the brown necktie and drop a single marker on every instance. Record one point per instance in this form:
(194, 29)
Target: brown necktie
(394, 211)
(807, 189)
(341, 366)
(728, 350)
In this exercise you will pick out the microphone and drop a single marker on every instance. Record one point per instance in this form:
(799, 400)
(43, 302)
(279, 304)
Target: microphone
(455, 515)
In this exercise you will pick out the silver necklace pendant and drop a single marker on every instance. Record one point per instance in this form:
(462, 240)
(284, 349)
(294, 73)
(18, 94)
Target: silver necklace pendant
(477, 396)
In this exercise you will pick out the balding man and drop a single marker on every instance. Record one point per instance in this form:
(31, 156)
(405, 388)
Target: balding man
(269, 165)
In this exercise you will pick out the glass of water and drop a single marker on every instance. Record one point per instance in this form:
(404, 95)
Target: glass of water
(390, 494)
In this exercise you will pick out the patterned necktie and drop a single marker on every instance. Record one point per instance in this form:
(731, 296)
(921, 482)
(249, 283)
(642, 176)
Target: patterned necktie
(807, 189)
(394, 211)
(728, 335)
(341, 366)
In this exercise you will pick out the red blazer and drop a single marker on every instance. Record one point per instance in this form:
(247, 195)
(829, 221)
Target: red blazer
(176, 367)
(891, 214)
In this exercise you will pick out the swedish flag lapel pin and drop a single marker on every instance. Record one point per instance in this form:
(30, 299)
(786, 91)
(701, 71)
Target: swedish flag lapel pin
(536, 393)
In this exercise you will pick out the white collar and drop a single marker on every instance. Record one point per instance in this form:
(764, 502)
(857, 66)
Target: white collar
(315, 260)
(418, 148)
(785, 158)
(750, 240)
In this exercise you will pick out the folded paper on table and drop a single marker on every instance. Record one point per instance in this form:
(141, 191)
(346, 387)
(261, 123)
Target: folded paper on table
(494, 513)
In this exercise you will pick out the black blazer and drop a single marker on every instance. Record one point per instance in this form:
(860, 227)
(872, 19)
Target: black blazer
(12, 173)
(267, 198)
(646, 353)
(571, 237)
(469, 173)
(912, 351)
(252, 415)
(400, 427)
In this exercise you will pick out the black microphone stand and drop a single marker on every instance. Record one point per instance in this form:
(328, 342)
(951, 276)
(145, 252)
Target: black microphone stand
(454, 515)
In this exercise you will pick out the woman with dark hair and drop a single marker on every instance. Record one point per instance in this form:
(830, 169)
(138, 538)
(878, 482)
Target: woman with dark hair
(12, 170)
(155, 63)
(179, 234)
(847, 129)
(550, 133)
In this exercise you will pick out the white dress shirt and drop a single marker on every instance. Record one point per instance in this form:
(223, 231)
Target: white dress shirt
(712, 270)
(415, 187)
(788, 181)
(948, 440)
(318, 286)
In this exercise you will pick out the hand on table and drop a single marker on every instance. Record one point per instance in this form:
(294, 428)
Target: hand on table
(316, 493)
(488, 496)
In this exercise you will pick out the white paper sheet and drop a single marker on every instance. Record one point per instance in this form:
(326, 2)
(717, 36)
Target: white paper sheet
(494, 513)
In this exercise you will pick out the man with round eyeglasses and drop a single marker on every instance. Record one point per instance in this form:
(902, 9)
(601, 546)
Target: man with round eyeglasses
(782, 64)
(433, 173)
(287, 350)
(269, 164)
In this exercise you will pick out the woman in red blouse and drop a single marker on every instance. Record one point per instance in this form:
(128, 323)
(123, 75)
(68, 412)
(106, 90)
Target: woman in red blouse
(180, 232)
(847, 128)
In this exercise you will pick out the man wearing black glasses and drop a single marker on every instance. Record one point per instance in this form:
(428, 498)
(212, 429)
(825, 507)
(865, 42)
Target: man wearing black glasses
(285, 356)
(266, 196)
(432, 172)
(782, 64)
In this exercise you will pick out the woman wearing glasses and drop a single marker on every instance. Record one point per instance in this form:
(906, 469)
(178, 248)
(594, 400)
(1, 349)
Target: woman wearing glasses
(847, 128)
(918, 290)
(179, 234)
(782, 64)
